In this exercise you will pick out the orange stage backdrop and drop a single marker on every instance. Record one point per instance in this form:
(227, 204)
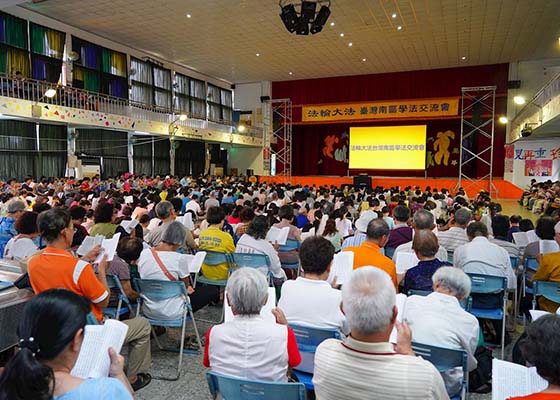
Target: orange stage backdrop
(506, 190)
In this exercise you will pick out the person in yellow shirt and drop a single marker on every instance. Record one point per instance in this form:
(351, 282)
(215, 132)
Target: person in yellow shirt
(214, 239)
(369, 252)
(549, 270)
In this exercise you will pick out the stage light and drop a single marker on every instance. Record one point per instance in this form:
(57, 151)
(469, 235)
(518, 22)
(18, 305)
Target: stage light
(183, 117)
(321, 20)
(289, 17)
(302, 27)
(503, 120)
(50, 93)
(519, 100)
(241, 128)
(308, 11)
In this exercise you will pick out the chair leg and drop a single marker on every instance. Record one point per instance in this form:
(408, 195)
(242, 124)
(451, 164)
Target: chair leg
(182, 345)
(195, 330)
(503, 333)
(156, 339)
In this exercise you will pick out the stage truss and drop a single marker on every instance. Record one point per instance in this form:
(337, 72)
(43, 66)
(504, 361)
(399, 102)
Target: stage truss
(278, 135)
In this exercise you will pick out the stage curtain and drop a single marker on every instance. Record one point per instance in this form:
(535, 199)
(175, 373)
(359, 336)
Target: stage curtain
(161, 156)
(18, 149)
(189, 157)
(53, 145)
(111, 146)
(143, 155)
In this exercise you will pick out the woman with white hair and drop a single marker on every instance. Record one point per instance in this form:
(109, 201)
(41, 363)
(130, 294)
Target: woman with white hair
(250, 347)
(164, 263)
(439, 320)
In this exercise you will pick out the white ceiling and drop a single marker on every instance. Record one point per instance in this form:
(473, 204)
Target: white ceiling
(223, 36)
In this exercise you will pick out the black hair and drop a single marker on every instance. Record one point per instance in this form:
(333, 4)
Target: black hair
(77, 212)
(52, 222)
(515, 219)
(286, 212)
(500, 225)
(526, 225)
(48, 325)
(542, 347)
(401, 213)
(26, 224)
(177, 204)
(129, 248)
(545, 228)
(315, 254)
(215, 215)
(258, 228)
(40, 207)
(103, 213)
(144, 218)
(247, 214)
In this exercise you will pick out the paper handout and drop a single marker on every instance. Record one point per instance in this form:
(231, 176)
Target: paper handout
(548, 246)
(342, 267)
(400, 303)
(278, 235)
(108, 248)
(89, 243)
(129, 225)
(520, 239)
(405, 260)
(512, 380)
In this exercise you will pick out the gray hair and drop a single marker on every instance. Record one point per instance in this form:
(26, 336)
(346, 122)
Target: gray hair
(163, 209)
(368, 300)
(377, 228)
(453, 280)
(423, 219)
(463, 216)
(15, 206)
(174, 233)
(247, 291)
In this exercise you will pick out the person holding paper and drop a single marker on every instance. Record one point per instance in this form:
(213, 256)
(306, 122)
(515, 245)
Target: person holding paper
(541, 348)
(215, 239)
(425, 246)
(51, 331)
(166, 212)
(549, 270)
(500, 228)
(250, 347)
(286, 214)
(104, 217)
(439, 320)
(366, 365)
(545, 230)
(456, 235)
(310, 300)
(55, 267)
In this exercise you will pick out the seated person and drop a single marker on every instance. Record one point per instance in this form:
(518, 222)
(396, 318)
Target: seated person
(425, 246)
(439, 320)
(214, 239)
(50, 333)
(545, 231)
(549, 270)
(128, 252)
(104, 216)
(254, 241)
(23, 244)
(286, 214)
(14, 209)
(401, 232)
(310, 300)
(500, 227)
(78, 215)
(365, 365)
(164, 263)
(250, 347)
(541, 348)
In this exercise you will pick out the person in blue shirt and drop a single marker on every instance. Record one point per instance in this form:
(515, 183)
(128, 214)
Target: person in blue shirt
(14, 209)
(51, 332)
(514, 221)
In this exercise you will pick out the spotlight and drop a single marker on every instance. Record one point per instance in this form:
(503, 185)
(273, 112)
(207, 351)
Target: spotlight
(289, 17)
(302, 27)
(503, 120)
(320, 20)
(183, 117)
(241, 128)
(308, 11)
(50, 93)
(519, 100)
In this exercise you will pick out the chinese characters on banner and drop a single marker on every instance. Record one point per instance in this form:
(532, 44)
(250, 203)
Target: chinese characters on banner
(532, 159)
(419, 108)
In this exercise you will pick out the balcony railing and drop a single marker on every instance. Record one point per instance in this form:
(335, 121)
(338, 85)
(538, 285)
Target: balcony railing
(66, 96)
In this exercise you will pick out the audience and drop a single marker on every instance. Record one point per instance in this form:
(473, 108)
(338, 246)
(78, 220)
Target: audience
(250, 347)
(14, 210)
(104, 216)
(545, 231)
(549, 270)
(365, 365)
(401, 232)
(500, 227)
(215, 239)
(332, 234)
(456, 236)
(23, 245)
(361, 229)
(286, 214)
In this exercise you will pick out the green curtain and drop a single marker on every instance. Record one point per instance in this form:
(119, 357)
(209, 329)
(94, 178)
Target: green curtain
(47, 42)
(89, 78)
(111, 145)
(18, 149)
(3, 60)
(106, 60)
(16, 31)
(38, 39)
(189, 157)
(161, 155)
(53, 145)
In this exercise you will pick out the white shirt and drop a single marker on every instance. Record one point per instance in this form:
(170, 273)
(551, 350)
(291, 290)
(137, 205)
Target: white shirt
(211, 202)
(312, 303)
(439, 320)
(452, 238)
(249, 348)
(248, 244)
(356, 370)
(18, 248)
(496, 259)
(194, 206)
(148, 268)
(343, 226)
(441, 254)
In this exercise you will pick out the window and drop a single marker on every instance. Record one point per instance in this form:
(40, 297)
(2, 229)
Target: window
(151, 85)
(47, 51)
(182, 103)
(14, 56)
(220, 107)
(198, 98)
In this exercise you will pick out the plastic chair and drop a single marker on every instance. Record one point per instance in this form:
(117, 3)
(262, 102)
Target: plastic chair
(548, 289)
(450, 257)
(444, 360)
(390, 252)
(214, 258)
(91, 320)
(488, 284)
(114, 282)
(157, 290)
(290, 245)
(252, 260)
(307, 340)
(466, 304)
(231, 388)
(532, 264)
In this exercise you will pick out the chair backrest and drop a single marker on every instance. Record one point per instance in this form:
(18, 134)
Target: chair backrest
(390, 251)
(157, 290)
(114, 282)
(465, 303)
(307, 340)
(548, 289)
(231, 388)
(250, 260)
(487, 284)
(216, 258)
(291, 245)
(450, 257)
(91, 320)
(514, 262)
(482, 268)
(531, 263)
(443, 359)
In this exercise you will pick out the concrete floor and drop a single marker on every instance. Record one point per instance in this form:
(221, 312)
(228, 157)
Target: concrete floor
(192, 383)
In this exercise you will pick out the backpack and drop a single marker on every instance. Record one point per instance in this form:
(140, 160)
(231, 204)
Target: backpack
(480, 378)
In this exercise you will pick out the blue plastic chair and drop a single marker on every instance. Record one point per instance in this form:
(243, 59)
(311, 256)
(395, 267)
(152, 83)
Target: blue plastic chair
(231, 388)
(488, 284)
(390, 252)
(548, 289)
(251, 260)
(466, 304)
(514, 263)
(532, 264)
(114, 282)
(290, 245)
(158, 290)
(91, 320)
(214, 258)
(444, 360)
(450, 257)
(307, 340)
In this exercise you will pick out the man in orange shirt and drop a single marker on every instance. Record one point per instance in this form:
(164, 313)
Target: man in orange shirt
(55, 267)
(369, 253)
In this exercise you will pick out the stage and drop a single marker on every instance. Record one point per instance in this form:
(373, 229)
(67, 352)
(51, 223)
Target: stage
(506, 190)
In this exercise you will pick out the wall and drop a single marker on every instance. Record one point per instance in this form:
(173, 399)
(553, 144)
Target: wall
(244, 158)
(248, 95)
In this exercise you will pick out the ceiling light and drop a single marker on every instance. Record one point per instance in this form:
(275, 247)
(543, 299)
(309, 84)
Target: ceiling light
(519, 100)
(332, 24)
(290, 73)
(503, 120)
(50, 93)
(394, 15)
(350, 44)
(183, 117)
(258, 54)
(463, 58)
(364, 60)
(399, 28)
(341, 34)
(188, 15)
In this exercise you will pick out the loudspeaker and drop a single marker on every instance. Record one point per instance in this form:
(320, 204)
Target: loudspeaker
(264, 98)
(250, 172)
(514, 84)
(362, 181)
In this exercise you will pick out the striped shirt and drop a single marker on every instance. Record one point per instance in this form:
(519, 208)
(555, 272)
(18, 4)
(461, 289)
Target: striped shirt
(354, 370)
(354, 241)
(452, 238)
